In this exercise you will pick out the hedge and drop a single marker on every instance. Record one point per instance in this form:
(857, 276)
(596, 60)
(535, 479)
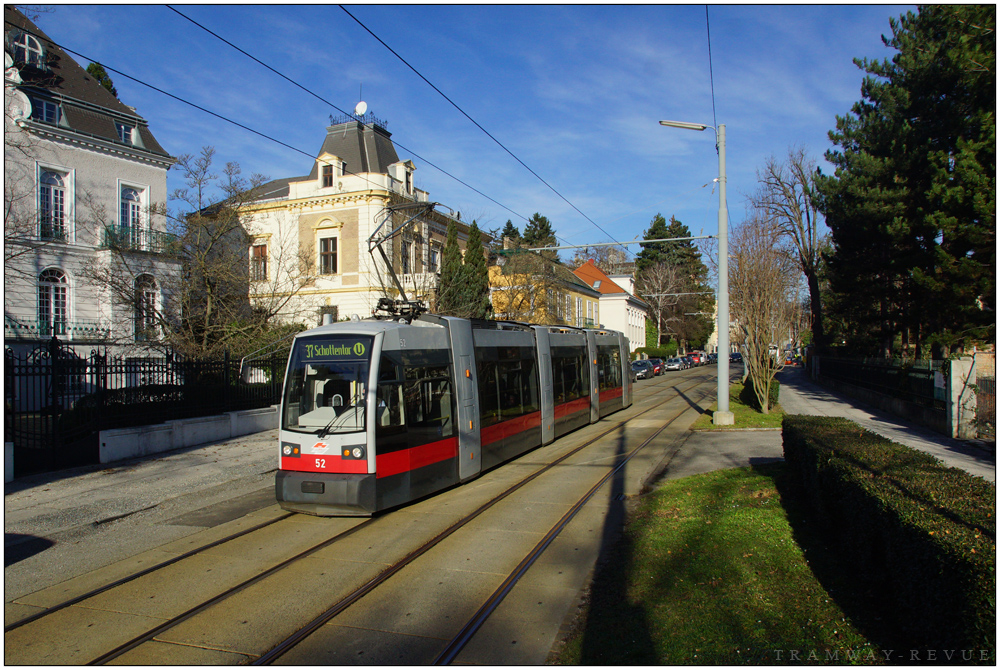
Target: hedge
(924, 531)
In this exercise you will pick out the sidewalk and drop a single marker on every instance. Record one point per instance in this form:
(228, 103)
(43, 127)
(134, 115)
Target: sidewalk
(800, 395)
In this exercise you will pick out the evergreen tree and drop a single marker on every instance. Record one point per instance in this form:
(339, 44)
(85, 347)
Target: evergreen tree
(689, 316)
(476, 280)
(912, 202)
(450, 288)
(97, 71)
(510, 231)
(538, 232)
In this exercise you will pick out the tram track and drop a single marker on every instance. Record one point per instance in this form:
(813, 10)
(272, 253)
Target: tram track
(345, 602)
(458, 642)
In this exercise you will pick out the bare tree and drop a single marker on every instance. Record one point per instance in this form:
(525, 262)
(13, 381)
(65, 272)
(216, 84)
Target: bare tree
(525, 287)
(786, 195)
(206, 305)
(661, 285)
(762, 294)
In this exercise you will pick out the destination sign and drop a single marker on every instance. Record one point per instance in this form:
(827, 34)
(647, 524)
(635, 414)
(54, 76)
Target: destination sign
(339, 350)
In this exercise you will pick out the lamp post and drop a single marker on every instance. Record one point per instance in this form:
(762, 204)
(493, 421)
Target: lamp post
(722, 417)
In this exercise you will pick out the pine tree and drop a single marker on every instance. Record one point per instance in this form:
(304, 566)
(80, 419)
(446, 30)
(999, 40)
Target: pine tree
(476, 280)
(100, 75)
(450, 287)
(510, 231)
(912, 202)
(538, 232)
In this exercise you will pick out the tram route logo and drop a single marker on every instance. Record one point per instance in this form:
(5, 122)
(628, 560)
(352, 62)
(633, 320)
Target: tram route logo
(320, 447)
(330, 350)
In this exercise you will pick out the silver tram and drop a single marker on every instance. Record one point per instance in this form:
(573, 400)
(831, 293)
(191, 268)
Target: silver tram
(378, 412)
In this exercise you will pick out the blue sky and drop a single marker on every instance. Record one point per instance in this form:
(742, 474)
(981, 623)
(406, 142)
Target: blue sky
(575, 92)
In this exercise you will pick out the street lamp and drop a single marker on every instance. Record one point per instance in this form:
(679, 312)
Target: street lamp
(722, 417)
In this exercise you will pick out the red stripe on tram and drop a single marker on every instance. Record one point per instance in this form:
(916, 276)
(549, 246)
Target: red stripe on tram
(404, 460)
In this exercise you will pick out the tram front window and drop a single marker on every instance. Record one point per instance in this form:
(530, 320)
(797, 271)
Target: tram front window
(325, 391)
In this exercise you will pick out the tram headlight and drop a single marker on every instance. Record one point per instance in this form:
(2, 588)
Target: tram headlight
(290, 450)
(354, 453)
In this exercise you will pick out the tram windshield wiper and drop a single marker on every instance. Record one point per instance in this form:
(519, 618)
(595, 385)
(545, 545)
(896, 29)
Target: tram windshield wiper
(326, 429)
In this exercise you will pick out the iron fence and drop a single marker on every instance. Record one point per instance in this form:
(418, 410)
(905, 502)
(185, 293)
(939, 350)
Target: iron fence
(57, 401)
(918, 382)
(986, 407)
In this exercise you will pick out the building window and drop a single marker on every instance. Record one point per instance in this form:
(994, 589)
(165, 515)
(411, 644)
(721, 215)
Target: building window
(579, 312)
(258, 262)
(44, 110)
(27, 50)
(124, 133)
(145, 308)
(433, 259)
(328, 256)
(327, 176)
(52, 302)
(404, 257)
(52, 205)
(409, 182)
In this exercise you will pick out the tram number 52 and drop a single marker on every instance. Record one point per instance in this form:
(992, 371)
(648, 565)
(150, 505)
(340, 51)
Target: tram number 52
(321, 463)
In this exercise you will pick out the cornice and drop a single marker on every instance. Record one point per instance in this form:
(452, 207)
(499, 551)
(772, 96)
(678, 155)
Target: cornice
(93, 143)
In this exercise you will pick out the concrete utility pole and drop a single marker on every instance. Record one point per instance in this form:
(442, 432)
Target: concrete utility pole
(722, 417)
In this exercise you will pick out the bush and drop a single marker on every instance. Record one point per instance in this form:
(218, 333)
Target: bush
(666, 352)
(923, 532)
(749, 397)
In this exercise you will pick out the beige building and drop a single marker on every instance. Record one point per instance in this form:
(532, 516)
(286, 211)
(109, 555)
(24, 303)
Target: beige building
(313, 236)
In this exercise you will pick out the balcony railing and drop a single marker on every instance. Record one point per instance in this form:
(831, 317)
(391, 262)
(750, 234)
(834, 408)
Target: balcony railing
(48, 231)
(128, 238)
(42, 329)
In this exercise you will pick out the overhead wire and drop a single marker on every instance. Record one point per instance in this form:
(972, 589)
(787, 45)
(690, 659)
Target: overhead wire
(476, 123)
(324, 100)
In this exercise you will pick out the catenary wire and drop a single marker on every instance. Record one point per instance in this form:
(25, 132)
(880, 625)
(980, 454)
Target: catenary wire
(236, 123)
(324, 100)
(476, 123)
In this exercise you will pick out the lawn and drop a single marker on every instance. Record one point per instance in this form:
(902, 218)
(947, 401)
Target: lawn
(744, 416)
(710, 571)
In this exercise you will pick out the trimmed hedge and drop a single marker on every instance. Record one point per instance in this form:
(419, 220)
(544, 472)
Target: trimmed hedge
(749, 397)
(924, 531)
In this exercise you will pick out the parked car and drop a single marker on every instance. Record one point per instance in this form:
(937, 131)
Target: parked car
(688, 360)
(713, 358)
(643, 369)
(736, 357)
(657, 365)
(673, 364)
(697, 358)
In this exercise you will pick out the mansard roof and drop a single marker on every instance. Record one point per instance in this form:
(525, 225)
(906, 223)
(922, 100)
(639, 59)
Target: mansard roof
(88, 107)
(363, 144)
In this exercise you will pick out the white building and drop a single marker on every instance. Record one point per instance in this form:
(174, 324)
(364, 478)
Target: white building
(311, 233)
(81, 172)
(621, 309)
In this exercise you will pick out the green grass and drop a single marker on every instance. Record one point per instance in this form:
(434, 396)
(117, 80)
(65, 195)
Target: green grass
(743, 415)
(710, 571)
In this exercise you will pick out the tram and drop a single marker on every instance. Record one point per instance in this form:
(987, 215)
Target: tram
(378, 412)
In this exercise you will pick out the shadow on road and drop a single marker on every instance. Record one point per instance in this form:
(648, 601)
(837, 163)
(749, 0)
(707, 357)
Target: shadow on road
(17, 547)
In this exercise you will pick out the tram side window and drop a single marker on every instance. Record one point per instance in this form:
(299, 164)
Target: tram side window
(569, 374)
(428, 395)
(390, 417)
(609, 367)
(489, 393)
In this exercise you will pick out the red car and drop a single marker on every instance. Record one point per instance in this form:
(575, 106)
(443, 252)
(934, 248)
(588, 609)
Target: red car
(657, 365)
(697, 357)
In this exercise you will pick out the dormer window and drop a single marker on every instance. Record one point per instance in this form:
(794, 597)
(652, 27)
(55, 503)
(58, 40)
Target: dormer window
(44, 110)
(124, 132)
(409, 182)
(27, 50)
(327, 176)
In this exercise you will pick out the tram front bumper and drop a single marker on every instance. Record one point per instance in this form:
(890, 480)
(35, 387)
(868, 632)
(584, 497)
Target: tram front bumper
(324, 494)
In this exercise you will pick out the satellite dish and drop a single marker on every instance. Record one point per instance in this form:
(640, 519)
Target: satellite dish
(361, 108)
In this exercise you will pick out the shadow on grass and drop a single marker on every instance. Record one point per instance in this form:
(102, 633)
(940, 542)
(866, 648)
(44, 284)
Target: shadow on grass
(859, 597)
